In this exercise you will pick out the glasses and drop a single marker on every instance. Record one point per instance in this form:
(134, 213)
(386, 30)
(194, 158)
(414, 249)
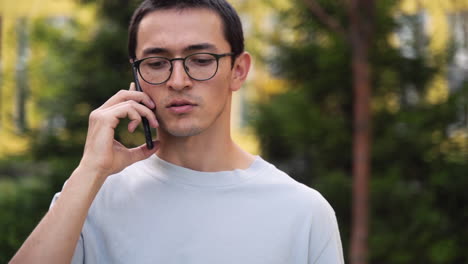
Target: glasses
(198, 66)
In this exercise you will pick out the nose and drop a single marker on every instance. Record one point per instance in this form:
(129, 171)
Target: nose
(179, 79)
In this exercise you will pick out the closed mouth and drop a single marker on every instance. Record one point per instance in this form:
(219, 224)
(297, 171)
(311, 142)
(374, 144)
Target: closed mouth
(179, 103)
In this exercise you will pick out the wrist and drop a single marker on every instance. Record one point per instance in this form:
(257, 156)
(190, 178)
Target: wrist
(88, 175)
(90, 167)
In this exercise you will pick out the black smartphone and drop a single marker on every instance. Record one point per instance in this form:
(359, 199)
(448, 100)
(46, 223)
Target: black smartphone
(146, 127)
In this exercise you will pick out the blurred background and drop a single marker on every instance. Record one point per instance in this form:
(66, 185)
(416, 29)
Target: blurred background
(60, 59)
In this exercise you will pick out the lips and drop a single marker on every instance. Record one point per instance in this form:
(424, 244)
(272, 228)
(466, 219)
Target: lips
(180, 106)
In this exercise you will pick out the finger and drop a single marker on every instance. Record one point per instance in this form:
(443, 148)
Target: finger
(132, 87)
(133, 125)
(142, 152)
(134, 111)
(111, 116)
(125, 95)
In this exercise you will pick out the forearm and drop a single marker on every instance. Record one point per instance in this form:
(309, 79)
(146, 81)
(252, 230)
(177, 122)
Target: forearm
(54, 239)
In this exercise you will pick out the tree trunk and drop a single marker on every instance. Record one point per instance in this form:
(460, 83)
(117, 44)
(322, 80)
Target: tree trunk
(360, 37)
(359, 34)
(361, 159)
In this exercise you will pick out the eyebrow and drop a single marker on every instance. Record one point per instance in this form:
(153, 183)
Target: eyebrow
(201, 46)
(195, 47)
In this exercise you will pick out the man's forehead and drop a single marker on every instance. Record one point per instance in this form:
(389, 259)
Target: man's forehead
(188, 49)
(172, 30)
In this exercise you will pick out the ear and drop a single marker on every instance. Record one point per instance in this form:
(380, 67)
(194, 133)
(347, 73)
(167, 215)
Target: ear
(240, 71)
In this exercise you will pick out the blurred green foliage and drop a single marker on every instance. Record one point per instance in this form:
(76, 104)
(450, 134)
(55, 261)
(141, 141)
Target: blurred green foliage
(26, 190)
(82, 68)
(418, 203)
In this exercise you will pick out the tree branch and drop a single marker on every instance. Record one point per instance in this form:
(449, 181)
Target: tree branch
(325, 18)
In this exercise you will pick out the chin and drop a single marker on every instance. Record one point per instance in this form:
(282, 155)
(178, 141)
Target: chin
(179, 128)
(184, 132)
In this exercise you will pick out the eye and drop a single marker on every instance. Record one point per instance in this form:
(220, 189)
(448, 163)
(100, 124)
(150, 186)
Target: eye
(201, 60)
(156, 63)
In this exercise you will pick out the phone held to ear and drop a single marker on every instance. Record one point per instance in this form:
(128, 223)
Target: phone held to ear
(146, 127)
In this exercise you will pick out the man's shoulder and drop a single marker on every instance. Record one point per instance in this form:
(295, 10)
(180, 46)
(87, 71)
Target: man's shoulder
(282, 184)
(120, 184)
(127, 182)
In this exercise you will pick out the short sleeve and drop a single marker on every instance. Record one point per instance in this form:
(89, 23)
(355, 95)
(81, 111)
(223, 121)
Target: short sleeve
(78, 257)
(324, 239)
(332, 251)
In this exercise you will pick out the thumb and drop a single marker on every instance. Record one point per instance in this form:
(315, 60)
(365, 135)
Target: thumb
(142, 152)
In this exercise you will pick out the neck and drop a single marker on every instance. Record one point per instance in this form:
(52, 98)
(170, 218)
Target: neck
(210, 151)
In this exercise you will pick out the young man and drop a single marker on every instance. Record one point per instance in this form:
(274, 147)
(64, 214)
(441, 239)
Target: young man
(196, 197)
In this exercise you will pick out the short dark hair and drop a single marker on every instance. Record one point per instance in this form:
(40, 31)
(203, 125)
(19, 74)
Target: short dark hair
(232, 26)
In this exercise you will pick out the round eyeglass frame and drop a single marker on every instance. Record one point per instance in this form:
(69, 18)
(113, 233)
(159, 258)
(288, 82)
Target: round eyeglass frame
(136, 64)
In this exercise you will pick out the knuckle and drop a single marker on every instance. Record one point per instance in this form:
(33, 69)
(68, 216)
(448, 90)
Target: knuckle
(95, 115)
(134, 117)
(133, 104)
(121, 91)
(146, 112)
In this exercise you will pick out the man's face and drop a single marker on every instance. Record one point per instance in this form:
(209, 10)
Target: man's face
(186, 107)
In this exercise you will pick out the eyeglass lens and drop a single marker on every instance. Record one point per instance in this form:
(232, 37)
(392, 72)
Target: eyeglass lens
(198, 66)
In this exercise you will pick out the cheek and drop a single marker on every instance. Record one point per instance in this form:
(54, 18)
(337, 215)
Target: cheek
(146, 87)
(217, 96)
(151, 91)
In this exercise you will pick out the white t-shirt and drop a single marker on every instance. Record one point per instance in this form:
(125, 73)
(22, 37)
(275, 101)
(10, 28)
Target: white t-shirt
(157, 212)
